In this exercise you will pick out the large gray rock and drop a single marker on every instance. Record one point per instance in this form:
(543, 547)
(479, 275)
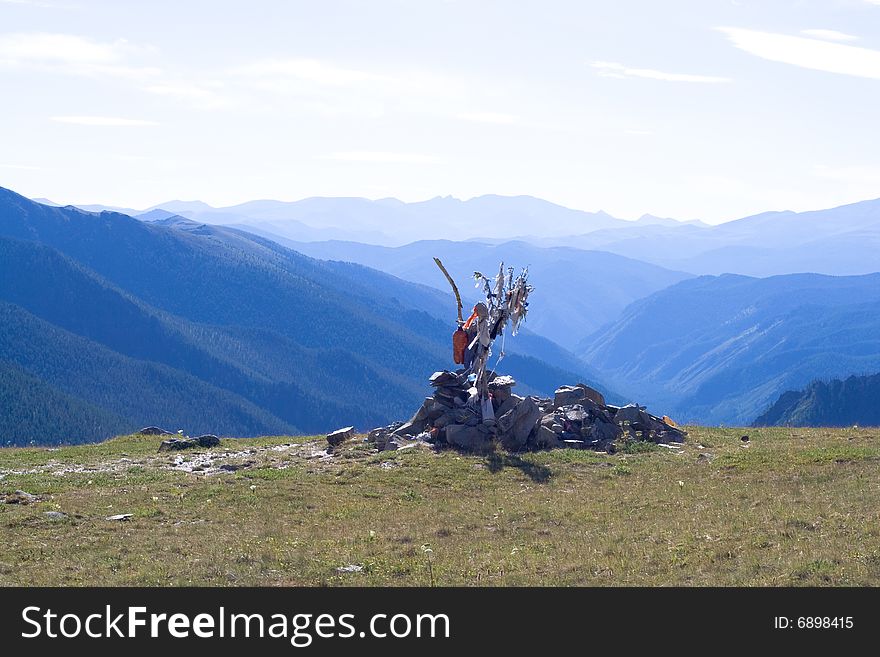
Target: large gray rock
(380, 438)
(420, 421)
(207, 440)
(507, 404)
(604, 431)
(575, 413)
(434, 411)
(444, 420)
(544, 438)
(578, 394)
(505, 422)
(456, 416)
(467, 438)
(339, 436)
(515, 426)
(500, 387)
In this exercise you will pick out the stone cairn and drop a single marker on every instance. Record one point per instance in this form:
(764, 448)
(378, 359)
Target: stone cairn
(472, 407)
(577, 417)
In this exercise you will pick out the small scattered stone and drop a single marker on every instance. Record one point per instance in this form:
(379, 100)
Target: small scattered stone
(54, 515)
(350, 568)
(20, 497)
(120, 517)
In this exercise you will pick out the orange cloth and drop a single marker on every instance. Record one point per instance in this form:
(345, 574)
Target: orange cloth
(470, 319)
(459, 344)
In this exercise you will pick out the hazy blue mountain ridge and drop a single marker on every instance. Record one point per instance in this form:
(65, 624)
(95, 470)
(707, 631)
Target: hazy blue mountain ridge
(721, 349)
(247, 336)
(576, 291)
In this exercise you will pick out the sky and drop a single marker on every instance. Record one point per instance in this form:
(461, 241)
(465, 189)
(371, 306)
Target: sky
(700, 109)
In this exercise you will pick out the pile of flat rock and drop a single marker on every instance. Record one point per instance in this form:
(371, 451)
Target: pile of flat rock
(577, 417)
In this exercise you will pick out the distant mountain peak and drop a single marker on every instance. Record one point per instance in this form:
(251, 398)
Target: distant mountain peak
(178, 206)
(834, 403)
(164, 218)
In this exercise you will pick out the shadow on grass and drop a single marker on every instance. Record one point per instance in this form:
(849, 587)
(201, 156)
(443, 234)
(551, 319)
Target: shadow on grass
(538, 473)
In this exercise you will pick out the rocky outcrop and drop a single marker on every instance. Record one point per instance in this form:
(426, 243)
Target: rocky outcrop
(173, 444)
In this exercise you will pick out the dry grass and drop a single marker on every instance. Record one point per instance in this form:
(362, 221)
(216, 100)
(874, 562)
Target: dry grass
(795, 507)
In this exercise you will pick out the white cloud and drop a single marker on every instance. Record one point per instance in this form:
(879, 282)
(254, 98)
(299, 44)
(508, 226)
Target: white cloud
(310, 70)
(20, 167)
(72, 54)
(43, 47)
(616, 70)
(868, 175)
(807, 53)
(830, 35)
(383, 157)
(75, 55)
(489, 117)
(179, 90)
(102, 121)
(201, 95)
(337, 88)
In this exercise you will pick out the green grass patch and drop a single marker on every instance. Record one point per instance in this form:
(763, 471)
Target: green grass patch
(794, 507)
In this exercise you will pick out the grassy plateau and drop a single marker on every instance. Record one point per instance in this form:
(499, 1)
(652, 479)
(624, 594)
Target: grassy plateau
(790, 507)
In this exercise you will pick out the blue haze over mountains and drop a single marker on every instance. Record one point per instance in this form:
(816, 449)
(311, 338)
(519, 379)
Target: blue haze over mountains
(111, 323)
(838, 241)
(279, 317)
